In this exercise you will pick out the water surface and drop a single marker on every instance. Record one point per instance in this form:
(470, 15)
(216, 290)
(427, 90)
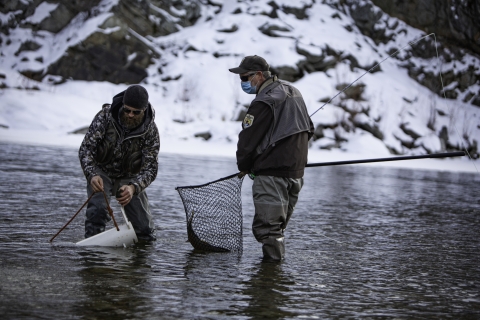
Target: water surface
(364, 242)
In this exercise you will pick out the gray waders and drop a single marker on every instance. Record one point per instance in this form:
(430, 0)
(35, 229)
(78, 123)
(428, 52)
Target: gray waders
(137, 211)
(274, 199)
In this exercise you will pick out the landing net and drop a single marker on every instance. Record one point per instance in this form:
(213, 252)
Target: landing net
(214, 214)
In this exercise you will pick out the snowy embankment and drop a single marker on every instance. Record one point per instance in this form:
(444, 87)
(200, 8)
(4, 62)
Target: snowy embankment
(194, 94)
(39, 121)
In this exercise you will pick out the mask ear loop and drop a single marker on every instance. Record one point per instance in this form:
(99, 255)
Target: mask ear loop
(253, 86)
(253, 78)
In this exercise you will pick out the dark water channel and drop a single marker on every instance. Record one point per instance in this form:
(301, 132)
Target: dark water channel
(364, 242)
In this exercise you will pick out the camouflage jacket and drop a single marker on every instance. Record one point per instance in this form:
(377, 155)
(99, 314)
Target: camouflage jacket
(109, 148)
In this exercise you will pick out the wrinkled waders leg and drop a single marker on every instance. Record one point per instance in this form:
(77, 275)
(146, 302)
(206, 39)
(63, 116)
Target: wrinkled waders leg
(274, 199)
(294, 187)
(97, 214)
(138, 213)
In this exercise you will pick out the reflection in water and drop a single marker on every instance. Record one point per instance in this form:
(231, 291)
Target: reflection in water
(364, 242)
(212, 281)
(115, 283)
(267, 292)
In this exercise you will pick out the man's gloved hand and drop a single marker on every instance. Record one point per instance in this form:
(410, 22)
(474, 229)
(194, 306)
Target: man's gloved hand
(242, 174)
(96, 183)
(124, 194)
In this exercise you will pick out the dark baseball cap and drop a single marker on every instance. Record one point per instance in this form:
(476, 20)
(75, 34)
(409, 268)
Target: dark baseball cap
(251, 63)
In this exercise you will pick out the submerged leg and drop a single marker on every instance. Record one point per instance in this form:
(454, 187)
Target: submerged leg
(97, 215)
(274, 199)
(138, 212)
(273, 248)
(270, 197)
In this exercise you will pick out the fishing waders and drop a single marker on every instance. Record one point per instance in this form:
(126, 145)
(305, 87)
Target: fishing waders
(274, 199)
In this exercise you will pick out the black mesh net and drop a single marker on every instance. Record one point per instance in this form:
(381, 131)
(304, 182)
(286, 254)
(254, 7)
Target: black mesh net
(214, 214)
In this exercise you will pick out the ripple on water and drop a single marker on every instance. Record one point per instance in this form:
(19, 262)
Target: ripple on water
(363, 242)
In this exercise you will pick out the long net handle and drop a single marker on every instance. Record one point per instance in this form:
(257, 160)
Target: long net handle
(109, 209)
(72, 217)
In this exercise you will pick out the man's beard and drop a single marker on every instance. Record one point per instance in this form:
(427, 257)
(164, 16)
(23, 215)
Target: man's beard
(130, 123)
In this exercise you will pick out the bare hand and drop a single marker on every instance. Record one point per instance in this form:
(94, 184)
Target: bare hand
(97, 184)
(126, 194)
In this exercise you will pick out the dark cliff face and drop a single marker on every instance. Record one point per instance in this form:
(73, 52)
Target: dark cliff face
(457, 22)
(117, 52)
(122, 41)
(452, 41)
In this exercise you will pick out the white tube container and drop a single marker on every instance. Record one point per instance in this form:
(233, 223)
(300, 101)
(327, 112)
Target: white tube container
(125, 236)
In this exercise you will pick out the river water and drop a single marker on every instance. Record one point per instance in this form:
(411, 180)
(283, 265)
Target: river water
(364, 242)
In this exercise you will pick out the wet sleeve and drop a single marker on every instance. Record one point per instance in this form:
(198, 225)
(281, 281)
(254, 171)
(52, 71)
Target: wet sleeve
(149, 170)
(255, 126)
(88, 148)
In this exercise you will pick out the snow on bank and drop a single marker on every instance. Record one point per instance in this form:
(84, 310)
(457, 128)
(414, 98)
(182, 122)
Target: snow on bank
(199, 147)
(207, 98)
(48, 116)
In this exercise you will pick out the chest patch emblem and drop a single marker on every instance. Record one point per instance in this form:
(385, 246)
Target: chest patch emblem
(248, 121)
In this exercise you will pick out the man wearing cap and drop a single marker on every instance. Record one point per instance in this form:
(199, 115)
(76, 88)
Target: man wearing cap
(272, 149)
(119, 155)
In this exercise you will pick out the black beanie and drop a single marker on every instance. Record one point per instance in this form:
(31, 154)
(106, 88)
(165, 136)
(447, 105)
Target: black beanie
(136, 97)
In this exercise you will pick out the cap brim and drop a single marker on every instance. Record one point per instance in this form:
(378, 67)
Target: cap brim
(238, 70)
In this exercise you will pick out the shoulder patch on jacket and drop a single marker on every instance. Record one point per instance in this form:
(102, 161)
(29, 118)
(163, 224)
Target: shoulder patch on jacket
(248, 121)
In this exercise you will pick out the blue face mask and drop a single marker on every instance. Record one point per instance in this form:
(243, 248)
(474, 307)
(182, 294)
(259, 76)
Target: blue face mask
(248, 88)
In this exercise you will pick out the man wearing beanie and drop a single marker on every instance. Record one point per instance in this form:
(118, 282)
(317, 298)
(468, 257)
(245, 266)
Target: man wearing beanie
(119, 155)
(272, 149)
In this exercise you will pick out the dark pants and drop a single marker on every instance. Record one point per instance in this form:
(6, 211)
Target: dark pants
(274, 199)
(137, 211)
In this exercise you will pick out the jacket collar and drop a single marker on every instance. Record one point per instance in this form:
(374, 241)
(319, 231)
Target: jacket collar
(266, 83)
